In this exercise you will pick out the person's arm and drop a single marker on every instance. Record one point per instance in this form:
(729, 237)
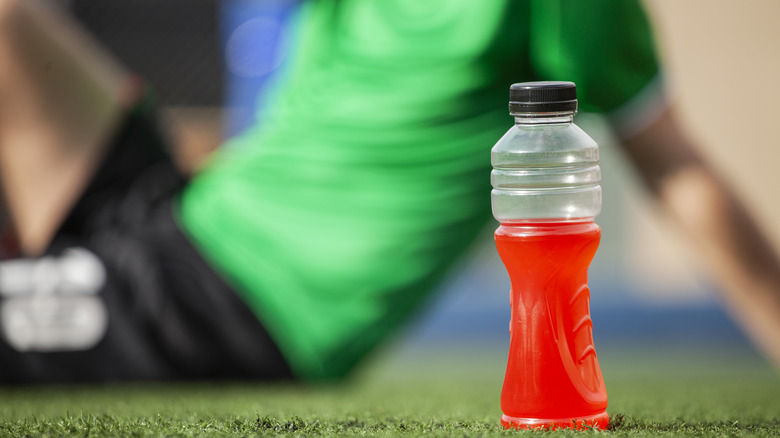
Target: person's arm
(60, 98)
(740, 257)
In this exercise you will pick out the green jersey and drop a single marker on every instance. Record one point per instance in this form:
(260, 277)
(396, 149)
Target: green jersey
(369, 171)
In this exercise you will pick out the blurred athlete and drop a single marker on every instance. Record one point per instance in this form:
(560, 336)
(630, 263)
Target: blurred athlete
(298, 249)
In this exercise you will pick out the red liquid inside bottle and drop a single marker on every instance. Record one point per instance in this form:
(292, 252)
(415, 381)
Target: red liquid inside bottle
(553, 377)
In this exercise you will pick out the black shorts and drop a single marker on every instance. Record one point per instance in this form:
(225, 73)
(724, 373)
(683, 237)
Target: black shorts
(122, 294)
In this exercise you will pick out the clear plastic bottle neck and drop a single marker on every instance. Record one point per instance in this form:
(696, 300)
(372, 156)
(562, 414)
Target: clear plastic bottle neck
(553, 118)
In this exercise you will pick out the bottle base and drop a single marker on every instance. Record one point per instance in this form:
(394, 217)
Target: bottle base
(597, 421)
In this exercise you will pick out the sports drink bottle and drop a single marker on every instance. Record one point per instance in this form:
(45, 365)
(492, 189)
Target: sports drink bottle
(545, 195)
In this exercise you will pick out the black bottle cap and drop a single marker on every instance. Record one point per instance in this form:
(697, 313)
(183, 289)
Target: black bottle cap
(542, 97)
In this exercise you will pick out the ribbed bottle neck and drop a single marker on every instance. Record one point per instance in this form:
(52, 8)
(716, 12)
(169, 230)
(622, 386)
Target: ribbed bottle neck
(532, 119)
(547, 227)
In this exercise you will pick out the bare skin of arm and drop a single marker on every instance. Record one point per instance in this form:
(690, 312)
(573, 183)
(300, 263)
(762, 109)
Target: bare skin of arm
(60, 99)
(739, 256)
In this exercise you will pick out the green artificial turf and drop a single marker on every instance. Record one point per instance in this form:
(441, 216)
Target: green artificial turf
(434, 395)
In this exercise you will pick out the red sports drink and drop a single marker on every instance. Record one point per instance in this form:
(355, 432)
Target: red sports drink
(553, 377)
(545, 195)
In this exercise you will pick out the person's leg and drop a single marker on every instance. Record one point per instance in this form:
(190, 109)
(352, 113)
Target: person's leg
(121, 294)
(61, 97)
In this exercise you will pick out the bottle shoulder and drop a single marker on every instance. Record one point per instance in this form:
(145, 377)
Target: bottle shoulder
(544, 145)
(538, 138)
